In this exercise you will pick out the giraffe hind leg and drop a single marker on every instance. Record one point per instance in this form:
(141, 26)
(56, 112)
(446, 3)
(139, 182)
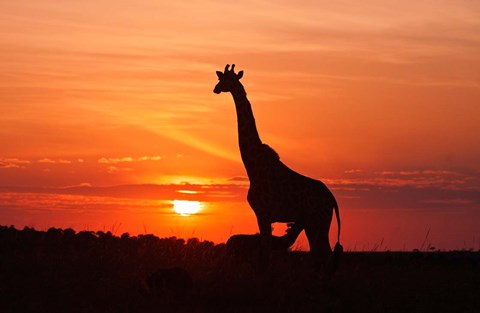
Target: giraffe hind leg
(320, 250)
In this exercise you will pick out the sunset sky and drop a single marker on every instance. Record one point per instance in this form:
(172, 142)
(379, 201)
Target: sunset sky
(108, 115)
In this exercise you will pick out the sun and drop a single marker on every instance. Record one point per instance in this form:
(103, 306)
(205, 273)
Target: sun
(186, 208)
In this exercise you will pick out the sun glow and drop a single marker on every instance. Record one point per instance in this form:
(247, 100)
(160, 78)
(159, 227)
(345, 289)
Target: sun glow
(186, 208)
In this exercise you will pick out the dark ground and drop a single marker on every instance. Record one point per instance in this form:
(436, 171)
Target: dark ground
(64, 271)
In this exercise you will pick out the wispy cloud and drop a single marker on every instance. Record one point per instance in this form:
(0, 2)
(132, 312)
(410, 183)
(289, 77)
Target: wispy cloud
(412, 189)
(115, 160)
(239, 179)
(449, 202)
(150, 158)
(17, 162)
(79, 185)
(114, 169)
(442, 179)
(128, 159)
(199, 192)
(61, 205)
(408, 189)
(353, 171)
(51, 161)
(46, 160)
(13, 163)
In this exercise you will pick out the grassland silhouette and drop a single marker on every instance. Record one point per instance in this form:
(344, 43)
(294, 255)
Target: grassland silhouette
(65, 271)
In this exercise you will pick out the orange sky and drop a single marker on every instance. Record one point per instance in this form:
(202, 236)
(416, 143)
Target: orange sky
(379, 99)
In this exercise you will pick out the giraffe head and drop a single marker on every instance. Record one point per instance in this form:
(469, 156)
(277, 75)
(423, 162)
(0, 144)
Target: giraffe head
(227, 80)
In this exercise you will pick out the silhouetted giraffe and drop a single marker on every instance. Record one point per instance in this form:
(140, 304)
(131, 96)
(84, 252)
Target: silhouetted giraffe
(277, 193)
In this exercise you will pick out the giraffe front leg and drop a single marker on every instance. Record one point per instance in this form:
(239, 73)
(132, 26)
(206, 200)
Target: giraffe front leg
(265, 243)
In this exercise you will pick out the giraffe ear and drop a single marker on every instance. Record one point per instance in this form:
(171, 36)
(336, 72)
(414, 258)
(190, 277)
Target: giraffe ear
(219, 74)
(240, 74)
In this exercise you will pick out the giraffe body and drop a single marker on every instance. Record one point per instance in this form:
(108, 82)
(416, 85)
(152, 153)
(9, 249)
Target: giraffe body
(283, 195)
(277, 193)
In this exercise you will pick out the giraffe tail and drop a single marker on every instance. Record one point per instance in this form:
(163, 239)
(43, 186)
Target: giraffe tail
(338, 247)
(338, 250)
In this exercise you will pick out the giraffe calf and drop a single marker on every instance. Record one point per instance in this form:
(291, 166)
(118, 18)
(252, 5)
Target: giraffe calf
(248, 247)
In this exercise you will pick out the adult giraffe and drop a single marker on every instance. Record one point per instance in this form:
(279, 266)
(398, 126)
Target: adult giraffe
(277, 193)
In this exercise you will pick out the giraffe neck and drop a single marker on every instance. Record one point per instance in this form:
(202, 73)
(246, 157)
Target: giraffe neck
(248, 138)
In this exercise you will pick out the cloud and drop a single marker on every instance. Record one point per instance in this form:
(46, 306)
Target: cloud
(46, 160)
(239, 179)
(400, 189)
(13, 163)
(441, 179)
(418, 172)
(50, 161)
(128, 159)
(79, 185)
(198, 192)
(353, 171)
(150, 158)
(115, 160)
(64, 206)
(449, 202)
(114, 169)
(409, 189)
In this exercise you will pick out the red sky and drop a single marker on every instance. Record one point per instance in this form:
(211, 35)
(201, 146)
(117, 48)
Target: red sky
(108, 114)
